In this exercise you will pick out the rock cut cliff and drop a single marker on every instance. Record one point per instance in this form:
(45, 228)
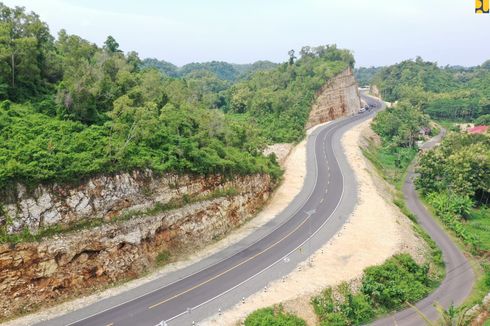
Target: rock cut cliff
(339, 97)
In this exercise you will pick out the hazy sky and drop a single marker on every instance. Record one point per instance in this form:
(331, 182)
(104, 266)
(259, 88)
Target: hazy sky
(379, 32)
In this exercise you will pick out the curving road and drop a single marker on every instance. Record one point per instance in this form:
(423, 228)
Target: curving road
(315, 215)
(459, 278)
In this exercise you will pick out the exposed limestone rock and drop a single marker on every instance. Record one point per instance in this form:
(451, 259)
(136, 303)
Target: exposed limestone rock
(101, 197)
(36, 274)
(33, 274)
(339, 97)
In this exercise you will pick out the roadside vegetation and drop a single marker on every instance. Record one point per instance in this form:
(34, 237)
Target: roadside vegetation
(384, 288)
(273, 316)
(453, 178)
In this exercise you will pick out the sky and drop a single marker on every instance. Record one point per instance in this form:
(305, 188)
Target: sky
(379, 32)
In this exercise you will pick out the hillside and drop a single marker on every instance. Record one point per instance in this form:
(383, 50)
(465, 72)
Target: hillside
(72, 110)
(454, 93)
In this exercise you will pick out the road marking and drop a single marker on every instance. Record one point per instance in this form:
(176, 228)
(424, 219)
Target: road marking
(251, 277)
(273, 264)
(232, 268)
(321, 200)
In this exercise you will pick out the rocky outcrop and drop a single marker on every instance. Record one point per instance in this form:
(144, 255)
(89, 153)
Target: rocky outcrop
(104, 197)
(373, 89)
(39, 273)
(337, 98)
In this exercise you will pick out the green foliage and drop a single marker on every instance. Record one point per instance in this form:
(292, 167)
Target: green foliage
(483, 120)
(165, 67)
(278, 101)
(460, 164)
(162, 258)
(79, 110)
(384, 288)
(27, 63)
(400, 126)
(274, 316)
(35, 148)
(399, 280)
(364, 76)
(342, 308)
(450, 208)
(453, 93)
(222, 70)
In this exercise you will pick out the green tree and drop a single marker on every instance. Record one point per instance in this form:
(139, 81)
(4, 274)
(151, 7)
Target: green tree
(25, 48)
(111, 45)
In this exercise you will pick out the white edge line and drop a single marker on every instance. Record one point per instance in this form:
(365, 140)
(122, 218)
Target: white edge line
(225, 258)
(277, 261)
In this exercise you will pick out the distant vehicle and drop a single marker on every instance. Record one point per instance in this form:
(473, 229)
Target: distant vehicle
(362, 110)
(372, 106)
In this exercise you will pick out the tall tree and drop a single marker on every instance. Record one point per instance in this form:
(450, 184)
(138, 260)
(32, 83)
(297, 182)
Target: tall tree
(111, 45)
(25, 46)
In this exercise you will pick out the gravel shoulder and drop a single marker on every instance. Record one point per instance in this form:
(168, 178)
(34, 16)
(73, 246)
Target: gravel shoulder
(374, 232)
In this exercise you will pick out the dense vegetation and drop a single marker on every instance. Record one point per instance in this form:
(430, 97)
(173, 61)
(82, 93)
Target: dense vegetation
(279, 100)
(222, 70)
(364, 76)
(455, 178)
(383, 288)
(455, 93)
(399, 129)
(273, 317)
(72, 109)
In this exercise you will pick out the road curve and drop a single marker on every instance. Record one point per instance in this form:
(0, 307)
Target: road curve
(459, 278)
(315, 215)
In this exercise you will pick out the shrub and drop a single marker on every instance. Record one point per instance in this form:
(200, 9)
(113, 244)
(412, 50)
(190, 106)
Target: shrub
(399, 280)
(274, 316)
(344, 308)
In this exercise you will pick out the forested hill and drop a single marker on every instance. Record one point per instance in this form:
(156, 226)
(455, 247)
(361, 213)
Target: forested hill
(70, 109)
(223, 70)
(455, 93)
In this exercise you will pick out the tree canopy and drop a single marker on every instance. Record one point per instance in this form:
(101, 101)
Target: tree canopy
(454, 93)
(71, 109)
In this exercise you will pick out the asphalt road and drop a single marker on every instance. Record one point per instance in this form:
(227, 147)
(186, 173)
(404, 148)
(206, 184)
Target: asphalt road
(459, 278)
(315, 215)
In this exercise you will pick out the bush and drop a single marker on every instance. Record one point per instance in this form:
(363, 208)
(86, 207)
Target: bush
(385, 287)
(344, 308)
(274, 316)
(399, 280)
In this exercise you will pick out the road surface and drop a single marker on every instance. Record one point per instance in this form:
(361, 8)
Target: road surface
(459, 278)
(316, 214)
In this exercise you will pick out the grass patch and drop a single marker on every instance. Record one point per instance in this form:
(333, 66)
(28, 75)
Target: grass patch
(478, 224)
(162, 258)
(390, 163)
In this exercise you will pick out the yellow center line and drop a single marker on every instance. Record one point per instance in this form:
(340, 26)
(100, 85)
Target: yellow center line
(230, 269)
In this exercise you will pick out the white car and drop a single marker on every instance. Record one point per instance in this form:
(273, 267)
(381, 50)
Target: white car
(362, 110)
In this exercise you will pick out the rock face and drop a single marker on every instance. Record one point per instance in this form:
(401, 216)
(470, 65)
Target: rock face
(102, 197)
(39, 273)
(339, 97)
(33, 274)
